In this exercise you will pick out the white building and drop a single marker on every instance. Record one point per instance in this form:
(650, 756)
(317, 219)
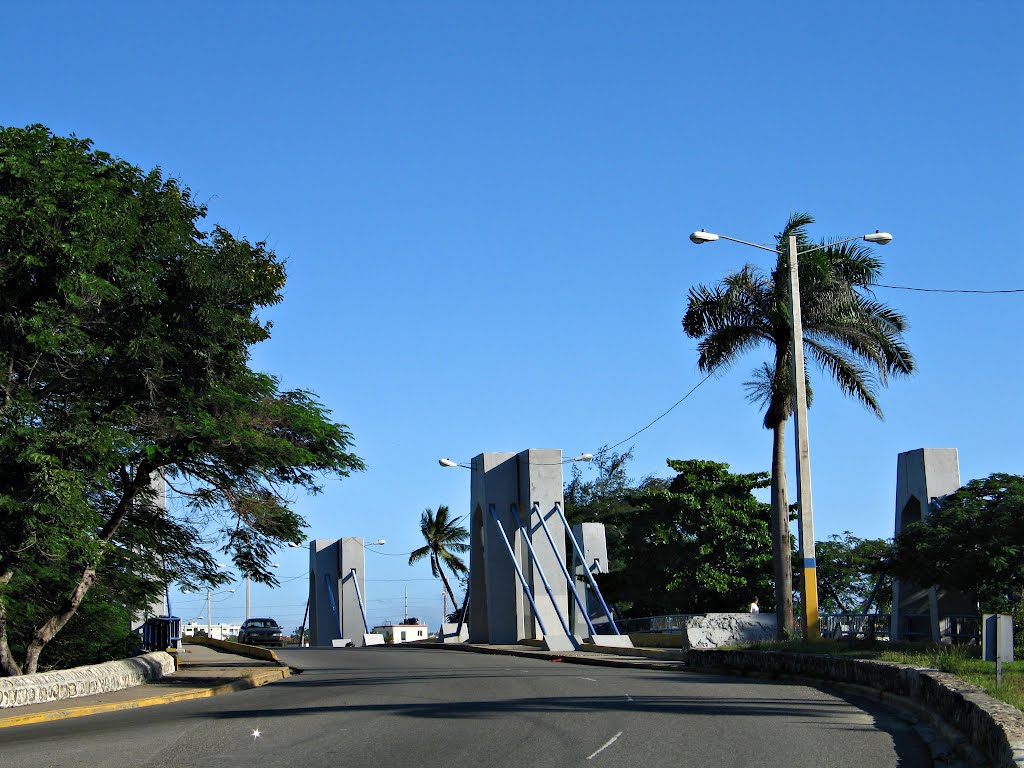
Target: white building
(402, 633)
(215, 631)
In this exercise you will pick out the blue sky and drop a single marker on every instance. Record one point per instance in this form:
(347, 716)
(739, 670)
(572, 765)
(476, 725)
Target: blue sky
(485, 210)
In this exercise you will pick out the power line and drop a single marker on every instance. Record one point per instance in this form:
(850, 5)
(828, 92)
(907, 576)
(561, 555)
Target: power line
(946, 290)
(666, 413)
(389, 554)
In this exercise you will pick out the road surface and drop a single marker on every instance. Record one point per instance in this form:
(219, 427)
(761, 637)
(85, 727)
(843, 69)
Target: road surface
(406, 708)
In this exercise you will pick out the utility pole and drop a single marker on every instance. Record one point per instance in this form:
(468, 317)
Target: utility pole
(444, 607)
(209, 617)
(406, 603)
(302, 629)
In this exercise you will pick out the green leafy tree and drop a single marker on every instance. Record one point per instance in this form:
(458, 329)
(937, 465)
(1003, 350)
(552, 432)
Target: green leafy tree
(972, 541)
(445, 541)
(701, 544)
(856, 339)
(604, 497)
(848, 581)
(124, 356)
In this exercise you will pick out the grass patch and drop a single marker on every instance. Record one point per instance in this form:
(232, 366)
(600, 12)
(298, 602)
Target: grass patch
(961, 660)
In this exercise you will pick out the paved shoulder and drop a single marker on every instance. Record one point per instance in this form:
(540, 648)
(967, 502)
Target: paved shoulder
(203, 671)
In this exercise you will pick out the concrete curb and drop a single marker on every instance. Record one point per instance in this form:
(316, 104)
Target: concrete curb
(240, 649)
(253, 680)
(567, 658)
(83, 681)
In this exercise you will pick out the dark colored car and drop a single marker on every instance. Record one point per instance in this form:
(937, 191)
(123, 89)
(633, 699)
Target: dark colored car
(261, 632)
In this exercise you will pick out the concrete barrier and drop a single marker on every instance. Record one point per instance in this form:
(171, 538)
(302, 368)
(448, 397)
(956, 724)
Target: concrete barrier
(84, 681)
(252, 651)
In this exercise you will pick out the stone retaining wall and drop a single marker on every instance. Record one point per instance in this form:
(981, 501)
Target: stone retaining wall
(993, 728)
(84, 681)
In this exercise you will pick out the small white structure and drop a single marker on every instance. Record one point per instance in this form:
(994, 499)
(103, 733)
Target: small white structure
(401, 633)
(214, 632)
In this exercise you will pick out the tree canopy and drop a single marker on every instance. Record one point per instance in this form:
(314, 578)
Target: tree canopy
(972, 541)
(125, 332)
(445, 541)
(848, 574)
(697, 543)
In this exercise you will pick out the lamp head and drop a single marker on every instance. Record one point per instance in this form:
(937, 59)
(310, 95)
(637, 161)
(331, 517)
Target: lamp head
(698, 238)
(584, 457)
(378, 543)
(879, 238)
(447, 463)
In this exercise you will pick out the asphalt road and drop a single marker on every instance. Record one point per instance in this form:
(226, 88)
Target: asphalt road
(413, 707)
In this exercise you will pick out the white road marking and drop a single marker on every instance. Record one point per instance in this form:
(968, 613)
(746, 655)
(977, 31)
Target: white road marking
(587, 678)
(611, 741)
(628, 697)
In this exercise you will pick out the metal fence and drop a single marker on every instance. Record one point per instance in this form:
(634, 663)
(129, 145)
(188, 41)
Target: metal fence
(959, 628)
(955, 628)
(670, 624)
(856, 625)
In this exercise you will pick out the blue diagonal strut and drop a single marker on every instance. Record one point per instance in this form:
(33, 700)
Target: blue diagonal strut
(515, 564)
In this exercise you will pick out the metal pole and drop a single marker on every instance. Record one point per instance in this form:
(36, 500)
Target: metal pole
(465, 607)
(586, 569)
(302, 627)
(543, 578)
(247, 595)
(805, 505)
(209, 617)
(568, 576)
(359, 597)
(519, 571)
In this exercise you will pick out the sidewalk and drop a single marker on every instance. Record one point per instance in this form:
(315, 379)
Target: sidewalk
(203, 671)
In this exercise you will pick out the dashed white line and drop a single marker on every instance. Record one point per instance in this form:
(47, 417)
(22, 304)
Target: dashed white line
(587, 678)
(611, 741)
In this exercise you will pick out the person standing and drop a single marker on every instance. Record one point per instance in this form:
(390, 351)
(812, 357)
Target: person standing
(754, 608)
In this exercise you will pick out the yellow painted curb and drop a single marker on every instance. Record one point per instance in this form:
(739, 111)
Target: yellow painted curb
(253, 680)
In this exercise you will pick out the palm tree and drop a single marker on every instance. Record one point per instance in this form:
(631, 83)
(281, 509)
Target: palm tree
(444, 538)
(852, 336)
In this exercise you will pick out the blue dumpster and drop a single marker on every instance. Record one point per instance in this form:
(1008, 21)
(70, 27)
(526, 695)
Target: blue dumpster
(161, 632)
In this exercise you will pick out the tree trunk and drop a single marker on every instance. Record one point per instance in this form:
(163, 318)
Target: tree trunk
(447, 586)
(55, 624)
(782, 556)
(8, 666)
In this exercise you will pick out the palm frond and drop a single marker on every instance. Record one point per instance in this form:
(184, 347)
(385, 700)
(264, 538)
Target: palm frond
(418, 554)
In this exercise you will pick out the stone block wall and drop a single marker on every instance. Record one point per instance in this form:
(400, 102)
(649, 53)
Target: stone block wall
(994, 729)
(84, 681)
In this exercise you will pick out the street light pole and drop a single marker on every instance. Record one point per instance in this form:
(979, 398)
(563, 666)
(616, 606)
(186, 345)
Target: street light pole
(805, 504)
(272, 565)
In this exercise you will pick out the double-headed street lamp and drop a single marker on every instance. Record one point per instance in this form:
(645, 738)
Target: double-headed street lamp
(805, 507)
(272, 565)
